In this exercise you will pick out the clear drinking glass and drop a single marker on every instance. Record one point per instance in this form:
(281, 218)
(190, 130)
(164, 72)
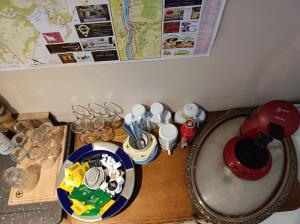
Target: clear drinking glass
(113, 112)
(92, 137)
(37, 137)
(115, 120)
(18, 154)
(23, 126)
(81, 112)
(19, 139)
(23, 179)
(57, 135)
(97, 109)
(110, 106)
(45, 128)
(51, 157)
(97, 124)
(80, 125)
(108, 134)
(36, 155)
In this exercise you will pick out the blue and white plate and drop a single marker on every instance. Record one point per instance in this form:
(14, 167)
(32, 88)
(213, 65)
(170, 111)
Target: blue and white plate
(92, 149)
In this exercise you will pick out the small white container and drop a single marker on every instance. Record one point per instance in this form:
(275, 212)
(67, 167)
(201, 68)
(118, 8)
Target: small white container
(201, 116)
(5, 145)
(168, 136)
(157, 110)
(128, 118)
(178, 118)
(138, 112)
(190, 111)
(166, 117)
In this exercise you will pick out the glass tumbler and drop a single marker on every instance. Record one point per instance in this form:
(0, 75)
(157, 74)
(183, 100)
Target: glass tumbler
(80, 125)
(51, 157)
(97, 109)
(36, 155)
(108, 134)
(114, 111)
(21, 143)
(45, 127)
(18, 154)
(23, 126)
(22, 179)
(116, 120)
(19, 139)
(81, 112)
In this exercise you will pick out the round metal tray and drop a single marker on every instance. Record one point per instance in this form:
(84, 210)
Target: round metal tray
(223, 197)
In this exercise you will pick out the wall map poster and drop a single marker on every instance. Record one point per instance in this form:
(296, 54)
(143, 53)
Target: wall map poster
(55, 32)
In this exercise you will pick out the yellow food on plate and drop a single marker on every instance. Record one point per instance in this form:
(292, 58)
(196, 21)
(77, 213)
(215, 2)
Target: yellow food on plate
(63, 185)
(74, 174)
(106, 206)
(79, 207)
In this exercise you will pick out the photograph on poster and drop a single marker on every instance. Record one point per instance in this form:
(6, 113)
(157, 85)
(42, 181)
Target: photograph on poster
(65, 47)
(177, 41)
(94, 30)
(171, 27)
(105, 55)
(53, 38)
(67, 58)
(93, 13)
(196, 12)
(173, 14)
(177, 3)
(83, 57)
(101, 43)
(189, 27)
(183, 52)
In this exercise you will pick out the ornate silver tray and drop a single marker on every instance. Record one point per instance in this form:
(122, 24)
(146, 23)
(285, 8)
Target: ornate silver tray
(223, 197)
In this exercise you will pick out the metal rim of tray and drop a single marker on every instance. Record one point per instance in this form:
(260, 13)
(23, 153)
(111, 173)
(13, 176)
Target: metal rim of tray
(270, 207)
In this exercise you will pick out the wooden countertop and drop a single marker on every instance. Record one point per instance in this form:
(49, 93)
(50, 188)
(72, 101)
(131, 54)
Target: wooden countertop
(161, 193)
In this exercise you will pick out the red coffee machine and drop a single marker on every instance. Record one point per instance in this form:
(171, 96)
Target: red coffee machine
(247, 155)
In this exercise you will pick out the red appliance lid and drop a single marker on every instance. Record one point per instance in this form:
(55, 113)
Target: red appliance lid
(281, 113)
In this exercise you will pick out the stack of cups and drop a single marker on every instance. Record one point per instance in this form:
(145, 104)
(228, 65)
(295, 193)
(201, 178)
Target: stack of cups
(168, 137)
(190, 111)
(138, 112)
(157, 110)
(160, 115)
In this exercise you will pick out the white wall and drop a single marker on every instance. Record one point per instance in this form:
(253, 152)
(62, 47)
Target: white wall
(255, 58)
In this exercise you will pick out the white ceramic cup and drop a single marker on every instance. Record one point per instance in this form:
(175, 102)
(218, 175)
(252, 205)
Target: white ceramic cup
(157, 110)
(138, 112)
(168, 136)
(190, 110)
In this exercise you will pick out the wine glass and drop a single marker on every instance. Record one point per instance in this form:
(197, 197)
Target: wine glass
(22, 126)
(97, 109)
(114, 111)
(110, 106)
(80, 125)
(81, 112)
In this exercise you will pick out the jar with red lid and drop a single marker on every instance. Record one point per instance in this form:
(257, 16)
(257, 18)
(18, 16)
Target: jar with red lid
(188, 130)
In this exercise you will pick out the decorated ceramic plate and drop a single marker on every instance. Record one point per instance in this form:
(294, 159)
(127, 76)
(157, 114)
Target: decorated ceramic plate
(100, 148)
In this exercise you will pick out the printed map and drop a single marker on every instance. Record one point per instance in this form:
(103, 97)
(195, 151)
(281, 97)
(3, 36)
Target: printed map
(138, 28)
(22, 22)
(37, 33)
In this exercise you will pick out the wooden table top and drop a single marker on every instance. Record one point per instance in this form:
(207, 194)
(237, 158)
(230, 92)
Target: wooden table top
(162, 195)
